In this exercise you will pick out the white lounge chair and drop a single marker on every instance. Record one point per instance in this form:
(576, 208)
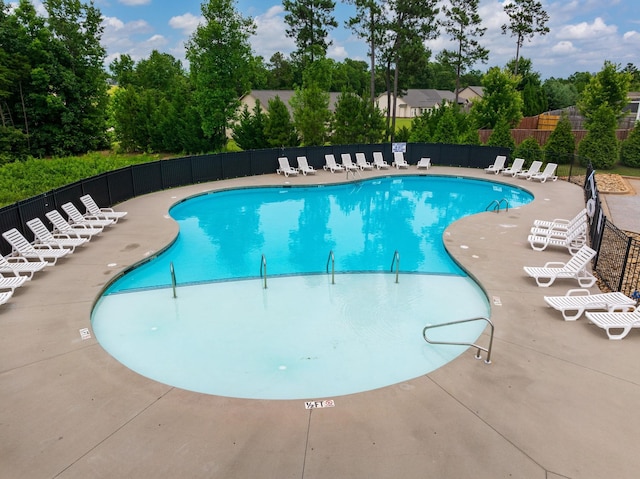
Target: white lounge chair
(549, 173)
(17, 265)
(75, 217)
(398, 160)
(11, 282)
(424, 163)
(614, 320)
(60, 225)
(573, 240)
(498, 165)
(560, 224)
(304, 167)
(5, 296)
(331, 164)
(575, 268)
(362, 162)
(577, 301)
(532, 170)
(40, 252)
(515, 168)
(378, 160)
(105, 213)
(285, 168)
(348, 164)
(61, 240)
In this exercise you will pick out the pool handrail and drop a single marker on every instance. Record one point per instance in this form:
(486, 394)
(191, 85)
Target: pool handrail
(332, 259)
(263, 263)
(496, 205)
(173, 278)
(396, 261)
(478, 347)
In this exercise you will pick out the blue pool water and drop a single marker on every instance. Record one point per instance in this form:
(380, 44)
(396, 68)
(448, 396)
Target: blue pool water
(304, 336)
(223, 235)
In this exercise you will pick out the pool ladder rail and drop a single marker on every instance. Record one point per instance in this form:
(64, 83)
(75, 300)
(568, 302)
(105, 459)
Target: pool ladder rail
(461, 321)
(263, 270)
(495, 205)
(332, 259)
(395, 261)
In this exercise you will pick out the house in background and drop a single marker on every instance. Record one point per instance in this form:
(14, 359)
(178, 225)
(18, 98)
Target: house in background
(470, 93)
(264, 96)
(417, 102)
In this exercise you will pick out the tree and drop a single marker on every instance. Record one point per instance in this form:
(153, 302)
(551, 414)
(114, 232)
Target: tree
(123, 70)
(462, 23)
(282, 73)
(153, 110)
(534, 100)
(609, 87)
(54, 81)
(279, 130)
(500, 100)
(221, 66)
(600, 145)
(412, 23)
(311, 115)
(249, 132)
(356, 121)
(501, 134)
(561, 145)
(309, 22)
(526, 19)
(560, 93)
(368, 24)
(630, 148)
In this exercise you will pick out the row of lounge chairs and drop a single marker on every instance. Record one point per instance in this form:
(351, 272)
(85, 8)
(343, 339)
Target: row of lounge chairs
(347, 163)
(517, 169)
(621, 314)
(27, 258)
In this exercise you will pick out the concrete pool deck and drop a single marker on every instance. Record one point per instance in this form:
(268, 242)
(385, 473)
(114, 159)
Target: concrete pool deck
(557, 401)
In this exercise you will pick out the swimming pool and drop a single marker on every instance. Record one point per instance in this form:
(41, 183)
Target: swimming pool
(302, 337)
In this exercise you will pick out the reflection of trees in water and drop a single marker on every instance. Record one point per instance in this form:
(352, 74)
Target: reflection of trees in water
(386, 212)
(232, 226)
(312, 241)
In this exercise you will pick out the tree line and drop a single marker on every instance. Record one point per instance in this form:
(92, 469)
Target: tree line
(57, 98)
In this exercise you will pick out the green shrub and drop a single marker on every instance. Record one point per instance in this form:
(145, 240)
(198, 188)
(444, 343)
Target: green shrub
(600, 145)
(561, 146)
(630, 149)
(529, 149)
(501, 135)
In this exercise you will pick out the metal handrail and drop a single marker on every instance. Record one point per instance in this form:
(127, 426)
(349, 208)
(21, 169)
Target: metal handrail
(396, 261)
(332, 259)
(263, 263)
(496, 205)
(173, 278)
(478, 348)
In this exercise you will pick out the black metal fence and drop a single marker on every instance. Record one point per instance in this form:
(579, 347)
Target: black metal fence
(116, 186)
(617, 263)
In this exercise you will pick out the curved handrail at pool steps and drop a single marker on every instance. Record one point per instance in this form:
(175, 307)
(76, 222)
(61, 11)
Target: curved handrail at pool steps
(496, 205)
(461, 321)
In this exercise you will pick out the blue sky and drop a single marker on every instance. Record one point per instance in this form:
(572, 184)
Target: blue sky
(584, 33)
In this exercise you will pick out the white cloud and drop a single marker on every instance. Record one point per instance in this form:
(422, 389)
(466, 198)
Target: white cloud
(563, 48)
(587, 31)
(134, 3)
(187, 23)
(337, 53)
(271, 34)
